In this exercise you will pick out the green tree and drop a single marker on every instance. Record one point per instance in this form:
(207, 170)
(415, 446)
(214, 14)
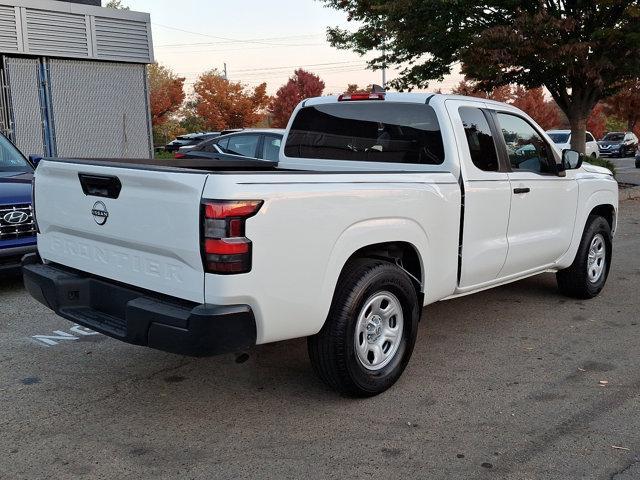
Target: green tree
(581, 51)
(117, 4)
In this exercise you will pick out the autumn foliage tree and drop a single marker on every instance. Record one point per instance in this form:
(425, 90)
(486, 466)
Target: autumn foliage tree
(502, 93)
(597, 123)
(301, 85)
(581, 51)
(166, 93)
(223, 104)
(625, 105)
(532, 101)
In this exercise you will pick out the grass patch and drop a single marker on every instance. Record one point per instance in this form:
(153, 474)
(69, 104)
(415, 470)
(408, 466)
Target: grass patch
(162, 155)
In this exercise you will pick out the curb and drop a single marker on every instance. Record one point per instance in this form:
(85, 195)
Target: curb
(629, 193)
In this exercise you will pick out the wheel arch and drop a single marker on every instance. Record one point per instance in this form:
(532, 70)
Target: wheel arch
(602, 202)
(390, 239)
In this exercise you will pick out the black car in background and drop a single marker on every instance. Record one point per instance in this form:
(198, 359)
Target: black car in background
(190, 139)
(263, 144)
(618, 144)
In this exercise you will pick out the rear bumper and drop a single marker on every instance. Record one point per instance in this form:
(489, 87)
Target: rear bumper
(140, 318)
(11, 258)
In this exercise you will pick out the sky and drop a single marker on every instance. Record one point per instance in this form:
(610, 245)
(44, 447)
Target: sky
(260, 41)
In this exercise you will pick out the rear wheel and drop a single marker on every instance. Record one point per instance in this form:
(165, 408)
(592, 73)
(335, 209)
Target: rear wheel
(370, 333)
(587, 276)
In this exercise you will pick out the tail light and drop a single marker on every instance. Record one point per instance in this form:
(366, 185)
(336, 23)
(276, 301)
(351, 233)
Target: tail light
(225, 248)
(179, 155)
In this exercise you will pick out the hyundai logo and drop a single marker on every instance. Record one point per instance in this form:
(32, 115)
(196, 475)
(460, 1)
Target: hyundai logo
(100, 213)
(16, 218)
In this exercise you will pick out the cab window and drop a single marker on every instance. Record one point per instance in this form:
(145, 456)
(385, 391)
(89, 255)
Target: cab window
(526, 148)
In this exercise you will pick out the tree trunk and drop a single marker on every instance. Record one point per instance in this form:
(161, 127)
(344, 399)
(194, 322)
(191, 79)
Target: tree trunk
(578, 132)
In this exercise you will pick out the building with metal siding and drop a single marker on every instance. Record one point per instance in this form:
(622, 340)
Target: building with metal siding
(73, 79)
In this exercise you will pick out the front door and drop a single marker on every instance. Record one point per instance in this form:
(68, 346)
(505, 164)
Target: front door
(543, 204)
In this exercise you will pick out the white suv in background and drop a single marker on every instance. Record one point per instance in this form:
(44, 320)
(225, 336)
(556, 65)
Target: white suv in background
(562, 139)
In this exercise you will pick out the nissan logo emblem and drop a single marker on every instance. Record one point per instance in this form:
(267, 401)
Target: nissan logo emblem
(15, 218)
(100, 213)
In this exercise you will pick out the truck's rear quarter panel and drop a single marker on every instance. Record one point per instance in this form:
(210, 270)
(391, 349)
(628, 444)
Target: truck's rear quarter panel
(311, 224)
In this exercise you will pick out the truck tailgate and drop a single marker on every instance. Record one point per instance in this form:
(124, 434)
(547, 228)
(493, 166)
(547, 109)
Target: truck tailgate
(137, 226)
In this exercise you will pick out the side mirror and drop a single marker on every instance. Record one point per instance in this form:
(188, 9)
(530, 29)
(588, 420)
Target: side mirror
(35, 160)
(571, 160)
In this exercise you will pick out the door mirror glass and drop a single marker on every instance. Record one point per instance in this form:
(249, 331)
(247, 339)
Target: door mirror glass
(571, 160)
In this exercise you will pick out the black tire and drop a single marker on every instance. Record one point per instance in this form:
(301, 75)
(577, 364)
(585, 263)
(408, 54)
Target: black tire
(637, 162)
(333, 350)
(575, 281)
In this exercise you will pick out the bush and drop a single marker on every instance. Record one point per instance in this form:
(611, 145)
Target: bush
(162, 155)
(602, 162)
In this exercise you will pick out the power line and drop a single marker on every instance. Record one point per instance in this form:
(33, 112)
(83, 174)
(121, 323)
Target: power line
(227, 42)
(226, 39)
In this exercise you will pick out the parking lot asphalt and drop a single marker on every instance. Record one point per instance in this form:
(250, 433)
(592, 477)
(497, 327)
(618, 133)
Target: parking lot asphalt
(513, 383)
(626, 170)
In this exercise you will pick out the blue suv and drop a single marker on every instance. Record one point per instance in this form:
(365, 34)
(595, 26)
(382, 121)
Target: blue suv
(17, 224)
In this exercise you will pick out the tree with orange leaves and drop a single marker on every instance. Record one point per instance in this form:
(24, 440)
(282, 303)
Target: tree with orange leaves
(597, 122)
(166, 93)
(532, 101)
(625, 105)
(224, 104)
(499, 94)
(302, 85)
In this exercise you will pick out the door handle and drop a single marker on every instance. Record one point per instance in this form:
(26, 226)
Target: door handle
(521, 191)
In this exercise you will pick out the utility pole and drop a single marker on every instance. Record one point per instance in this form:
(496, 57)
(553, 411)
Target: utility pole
(384, 77)
(384, 68)
(225, 71)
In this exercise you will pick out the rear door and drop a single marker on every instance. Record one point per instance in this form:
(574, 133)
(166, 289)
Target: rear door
(137, 226)
(487, 194)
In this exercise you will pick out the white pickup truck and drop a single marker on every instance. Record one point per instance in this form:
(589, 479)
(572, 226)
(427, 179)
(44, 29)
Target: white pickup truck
(379, 205)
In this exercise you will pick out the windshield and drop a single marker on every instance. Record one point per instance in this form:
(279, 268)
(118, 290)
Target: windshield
(11, 160)
(614, 137)
(559, 137)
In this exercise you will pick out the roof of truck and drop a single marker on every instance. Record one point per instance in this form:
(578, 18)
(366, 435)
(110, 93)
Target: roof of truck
(407, 98)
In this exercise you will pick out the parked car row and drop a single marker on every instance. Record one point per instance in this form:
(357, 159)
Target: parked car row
(263, 144)
(614, 144)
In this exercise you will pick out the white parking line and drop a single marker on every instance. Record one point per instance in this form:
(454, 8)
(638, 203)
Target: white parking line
(59, 336)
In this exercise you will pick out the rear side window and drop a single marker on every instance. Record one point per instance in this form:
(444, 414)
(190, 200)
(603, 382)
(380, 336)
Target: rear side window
(590, 138)
(244, 145)
(480, 140)
(271, 148)
(367, 132)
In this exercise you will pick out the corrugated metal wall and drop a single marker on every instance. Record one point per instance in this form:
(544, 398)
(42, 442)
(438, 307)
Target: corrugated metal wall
(64, 30)
(100, 109)
(9, 41)
(22, 75)
(56, 33)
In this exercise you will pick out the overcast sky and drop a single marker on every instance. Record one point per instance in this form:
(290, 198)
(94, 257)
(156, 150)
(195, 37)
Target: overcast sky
(259, 40)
